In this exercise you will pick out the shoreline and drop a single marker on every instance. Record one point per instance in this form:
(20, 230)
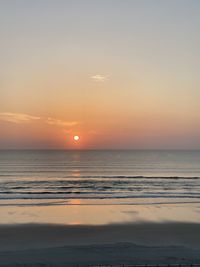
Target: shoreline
(81, 212)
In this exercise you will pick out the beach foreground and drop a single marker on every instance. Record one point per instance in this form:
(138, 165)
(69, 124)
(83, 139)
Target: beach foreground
(67, 245)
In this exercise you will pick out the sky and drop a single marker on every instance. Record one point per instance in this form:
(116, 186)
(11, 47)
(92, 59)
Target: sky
(120, 74)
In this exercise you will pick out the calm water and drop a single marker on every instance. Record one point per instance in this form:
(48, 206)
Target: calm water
(103, 175)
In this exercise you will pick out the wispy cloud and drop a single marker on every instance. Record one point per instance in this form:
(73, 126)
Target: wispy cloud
(99, 78)
(21, 118)
(17, 117)
(58, 122)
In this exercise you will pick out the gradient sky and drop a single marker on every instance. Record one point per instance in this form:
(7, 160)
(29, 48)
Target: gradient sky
(120, 74)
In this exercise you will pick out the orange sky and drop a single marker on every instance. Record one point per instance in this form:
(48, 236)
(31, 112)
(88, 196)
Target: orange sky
(120, 74)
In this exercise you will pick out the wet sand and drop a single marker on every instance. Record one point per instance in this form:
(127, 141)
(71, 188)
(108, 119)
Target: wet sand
(98, 212)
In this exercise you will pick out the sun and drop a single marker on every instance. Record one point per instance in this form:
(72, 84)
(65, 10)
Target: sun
(76, 137)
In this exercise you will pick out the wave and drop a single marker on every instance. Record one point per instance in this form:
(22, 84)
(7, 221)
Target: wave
(67, 197)
(117, 177)
(138, 177)
(96, 195)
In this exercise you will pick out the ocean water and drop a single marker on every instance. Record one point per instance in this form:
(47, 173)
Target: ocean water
(104, 175)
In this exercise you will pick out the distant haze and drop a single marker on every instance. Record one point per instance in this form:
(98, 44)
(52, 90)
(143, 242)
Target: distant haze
(118, 73)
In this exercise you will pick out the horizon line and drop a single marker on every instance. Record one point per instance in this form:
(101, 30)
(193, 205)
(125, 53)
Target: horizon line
(100, 149)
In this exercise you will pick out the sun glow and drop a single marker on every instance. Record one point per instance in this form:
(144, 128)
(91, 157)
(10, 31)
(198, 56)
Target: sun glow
(76, 137)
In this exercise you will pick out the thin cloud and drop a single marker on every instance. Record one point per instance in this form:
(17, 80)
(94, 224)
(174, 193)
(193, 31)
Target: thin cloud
(21, 118)
(17, 117)
(99, 78)
(58, 122)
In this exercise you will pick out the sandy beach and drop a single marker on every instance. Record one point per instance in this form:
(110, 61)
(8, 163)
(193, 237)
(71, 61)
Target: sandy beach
(80, 233)
(67, 245)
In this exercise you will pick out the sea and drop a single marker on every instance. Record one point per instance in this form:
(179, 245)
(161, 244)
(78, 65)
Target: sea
(118, 176)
